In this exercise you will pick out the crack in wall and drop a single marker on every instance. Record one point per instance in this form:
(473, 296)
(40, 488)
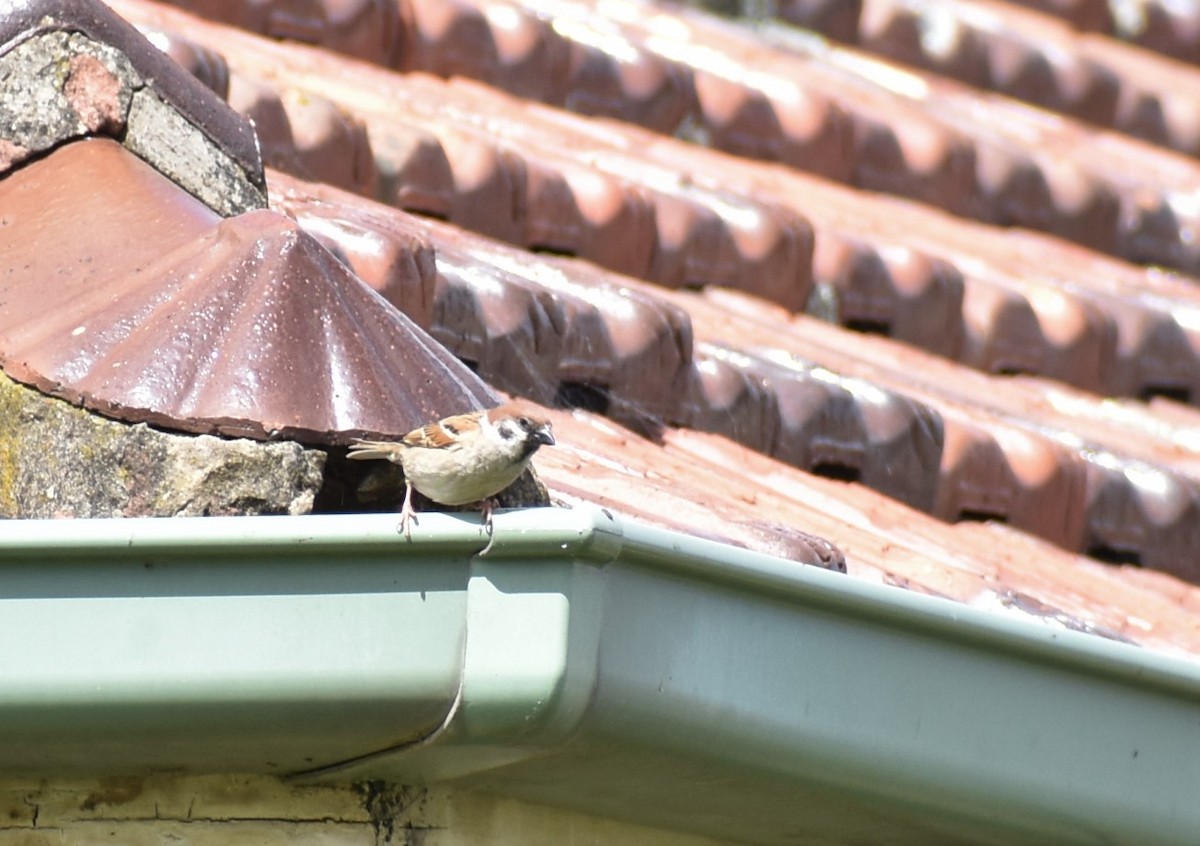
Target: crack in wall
(35, 810)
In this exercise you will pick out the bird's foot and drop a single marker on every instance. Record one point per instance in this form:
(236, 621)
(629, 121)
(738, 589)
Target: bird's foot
(405, 525)
(488, 507)
(407, 516)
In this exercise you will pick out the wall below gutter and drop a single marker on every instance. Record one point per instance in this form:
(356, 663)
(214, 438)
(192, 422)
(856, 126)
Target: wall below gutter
(586, 662)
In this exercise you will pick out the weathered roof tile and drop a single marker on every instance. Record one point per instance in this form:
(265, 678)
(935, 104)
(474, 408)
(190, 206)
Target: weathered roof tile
(529, 326)
(244, 327)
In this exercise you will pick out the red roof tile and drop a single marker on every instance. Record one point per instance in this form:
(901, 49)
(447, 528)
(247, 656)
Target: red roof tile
(171, 316)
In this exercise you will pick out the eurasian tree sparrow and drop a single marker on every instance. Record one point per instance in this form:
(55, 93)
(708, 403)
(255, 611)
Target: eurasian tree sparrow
(462, 459)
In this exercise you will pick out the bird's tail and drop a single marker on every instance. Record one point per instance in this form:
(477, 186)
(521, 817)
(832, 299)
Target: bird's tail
(368, 450)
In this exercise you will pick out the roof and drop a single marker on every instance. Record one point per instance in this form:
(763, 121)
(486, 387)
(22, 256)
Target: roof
(996, 405)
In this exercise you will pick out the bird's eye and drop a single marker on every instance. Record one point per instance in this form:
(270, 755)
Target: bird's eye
(524, 423)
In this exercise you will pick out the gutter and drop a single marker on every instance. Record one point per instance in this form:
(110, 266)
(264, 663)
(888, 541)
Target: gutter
(588, 662)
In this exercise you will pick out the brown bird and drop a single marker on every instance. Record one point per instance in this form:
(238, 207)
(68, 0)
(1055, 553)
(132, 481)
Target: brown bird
(462, 459)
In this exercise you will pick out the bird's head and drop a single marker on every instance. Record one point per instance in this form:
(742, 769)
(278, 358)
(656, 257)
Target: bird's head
(525, 431)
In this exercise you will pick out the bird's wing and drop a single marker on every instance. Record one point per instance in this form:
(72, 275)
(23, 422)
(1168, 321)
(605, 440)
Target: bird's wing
(443, 434)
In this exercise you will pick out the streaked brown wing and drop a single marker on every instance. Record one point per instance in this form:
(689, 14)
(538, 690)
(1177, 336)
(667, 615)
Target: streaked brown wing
(443, 434)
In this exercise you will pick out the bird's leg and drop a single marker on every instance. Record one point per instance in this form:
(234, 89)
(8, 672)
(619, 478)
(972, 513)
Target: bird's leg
(486, 508)
(407, 515)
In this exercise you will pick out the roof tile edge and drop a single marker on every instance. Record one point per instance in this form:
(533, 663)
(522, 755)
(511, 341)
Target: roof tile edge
(118, 84)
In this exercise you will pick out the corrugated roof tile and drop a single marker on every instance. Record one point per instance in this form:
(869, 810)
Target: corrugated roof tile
(891, 289)
(530, 326)
(1023, 54)
(394, 258)
(244, 327)
(499, 172)
(1084, 15)
(368, 29)
(206, 65)
(491, 42)
(838, 426)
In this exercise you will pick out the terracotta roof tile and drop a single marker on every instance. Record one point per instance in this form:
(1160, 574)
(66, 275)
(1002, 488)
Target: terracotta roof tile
(370, 29)
(489, 42)
(307, 135)
(206, 65)
(1084, 15)
(513, 184)
(988, 565)
(1009, 453)
(1023, 54)
(683, 260)
(909, 135)
(1159, 98)
(830, 424)
(1010, 330)
(992, 467)
(1033, 57)
(891, 289)
(389, 252)
(171, 316)
(835, 18)
(530, 326)
(1160, 25)
(544, 327)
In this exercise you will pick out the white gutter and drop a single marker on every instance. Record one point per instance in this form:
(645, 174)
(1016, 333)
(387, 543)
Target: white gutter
(589, 662)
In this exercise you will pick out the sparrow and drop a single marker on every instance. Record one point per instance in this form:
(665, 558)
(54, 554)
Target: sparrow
(462, 459)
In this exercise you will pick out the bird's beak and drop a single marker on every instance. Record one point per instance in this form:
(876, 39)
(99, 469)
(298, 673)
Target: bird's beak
(543, 436)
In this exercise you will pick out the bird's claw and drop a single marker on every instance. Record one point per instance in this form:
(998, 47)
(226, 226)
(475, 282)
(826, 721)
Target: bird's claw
(407, 515)
(406, 524)
(488, 527)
